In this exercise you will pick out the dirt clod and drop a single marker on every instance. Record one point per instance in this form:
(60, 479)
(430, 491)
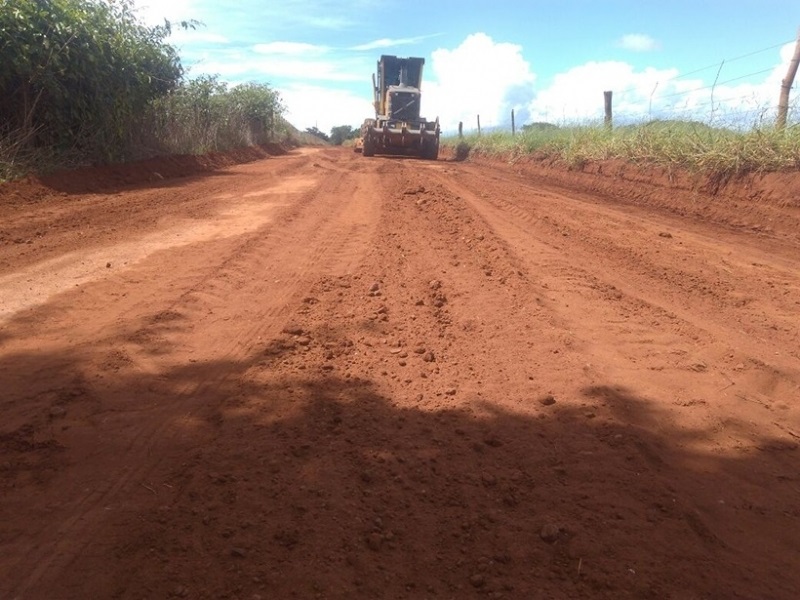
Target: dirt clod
(547, 400)
(550, 532)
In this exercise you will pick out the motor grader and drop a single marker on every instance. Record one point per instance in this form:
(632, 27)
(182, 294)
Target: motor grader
(397, 128)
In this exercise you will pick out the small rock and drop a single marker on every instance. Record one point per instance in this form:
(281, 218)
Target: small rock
(180, 591)
(303, 341)
(375, 287)
(477, 580)
(450, 392)
(488, 479)
(547, 400)
(374, 541)
(108, 265)
(58, 411)
(238, 552)
(429, 357)
(293, 330)
(550, 532)
(665, 234)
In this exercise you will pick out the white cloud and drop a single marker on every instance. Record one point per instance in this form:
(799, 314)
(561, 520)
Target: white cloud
(479, 77)
(324, 108)
(153, 12)
(576, 95)
(188, 36)
(390, 42)
(288, 68)
(638, 42)
(289, 48)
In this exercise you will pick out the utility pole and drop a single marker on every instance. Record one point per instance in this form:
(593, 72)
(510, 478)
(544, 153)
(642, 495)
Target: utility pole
(608, 119)
(786, 86)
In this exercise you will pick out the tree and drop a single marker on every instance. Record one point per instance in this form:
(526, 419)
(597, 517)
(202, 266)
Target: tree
(317, 133)
(76, 73)
(342, 133)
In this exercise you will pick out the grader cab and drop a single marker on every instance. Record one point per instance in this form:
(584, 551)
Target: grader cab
(397, 127)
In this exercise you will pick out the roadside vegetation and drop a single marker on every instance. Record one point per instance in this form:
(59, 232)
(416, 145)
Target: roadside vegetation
(85, 82)
(684, 144)
(338, 136)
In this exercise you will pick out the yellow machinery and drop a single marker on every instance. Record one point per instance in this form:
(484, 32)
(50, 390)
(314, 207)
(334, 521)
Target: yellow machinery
(397, 127)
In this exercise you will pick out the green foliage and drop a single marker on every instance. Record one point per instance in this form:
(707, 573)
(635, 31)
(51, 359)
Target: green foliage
(342, 133)
(317, 133)
(204, 115)
(539, 125)
(85, 81)
(76, 73)
(686, 144)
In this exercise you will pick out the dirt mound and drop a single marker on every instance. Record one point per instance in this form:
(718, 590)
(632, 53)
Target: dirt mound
(765, 203)
(109, 178)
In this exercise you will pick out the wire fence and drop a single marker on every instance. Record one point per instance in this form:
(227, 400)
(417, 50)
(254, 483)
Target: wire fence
(744, 94)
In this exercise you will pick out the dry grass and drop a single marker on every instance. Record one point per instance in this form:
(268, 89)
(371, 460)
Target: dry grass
(683, 144)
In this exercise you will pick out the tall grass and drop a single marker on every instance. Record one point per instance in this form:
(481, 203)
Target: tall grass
(200, 116)
(689, 145)
(205, 115)
(85, 82)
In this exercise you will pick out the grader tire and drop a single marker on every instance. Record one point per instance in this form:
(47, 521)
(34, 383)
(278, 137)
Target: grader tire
(369, 146)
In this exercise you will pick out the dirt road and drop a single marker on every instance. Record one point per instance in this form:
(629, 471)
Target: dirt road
(326, 376)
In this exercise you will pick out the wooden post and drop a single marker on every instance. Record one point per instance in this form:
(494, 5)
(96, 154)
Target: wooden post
(608, 119)
(479, 124)
(460, 129)
(786, 86)
(513, 127)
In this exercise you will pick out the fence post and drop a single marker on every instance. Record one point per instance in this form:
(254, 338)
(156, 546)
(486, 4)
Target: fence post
(513, 125)
(608, 119)
(479, 124)
(460, 129)
(786, 86)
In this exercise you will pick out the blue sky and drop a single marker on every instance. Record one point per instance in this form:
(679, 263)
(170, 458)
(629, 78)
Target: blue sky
(547, 60)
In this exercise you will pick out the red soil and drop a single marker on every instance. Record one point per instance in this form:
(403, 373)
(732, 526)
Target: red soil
(326, 376)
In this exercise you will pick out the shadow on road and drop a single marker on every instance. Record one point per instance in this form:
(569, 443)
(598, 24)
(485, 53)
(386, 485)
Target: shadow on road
(251, 481)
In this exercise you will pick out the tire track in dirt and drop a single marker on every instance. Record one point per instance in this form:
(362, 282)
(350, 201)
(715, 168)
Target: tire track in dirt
(407, 384)
(325, 235)
(660, 350)
(631, 288)
(399, 324)
(362, 496)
